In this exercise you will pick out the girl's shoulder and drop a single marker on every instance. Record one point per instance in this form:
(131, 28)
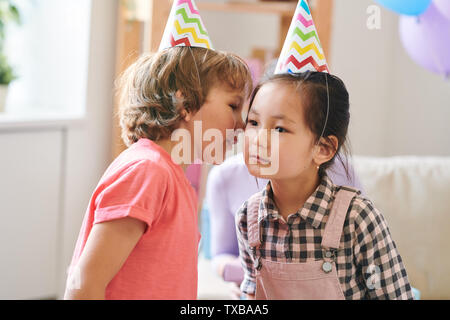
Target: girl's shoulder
(250, 205)
(250, 202)
(362, 210)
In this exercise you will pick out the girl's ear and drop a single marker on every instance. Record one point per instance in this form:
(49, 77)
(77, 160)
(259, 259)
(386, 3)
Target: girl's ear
(325, 150)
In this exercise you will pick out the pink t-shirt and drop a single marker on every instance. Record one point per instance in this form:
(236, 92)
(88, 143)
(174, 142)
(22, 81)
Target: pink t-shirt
(144, 183)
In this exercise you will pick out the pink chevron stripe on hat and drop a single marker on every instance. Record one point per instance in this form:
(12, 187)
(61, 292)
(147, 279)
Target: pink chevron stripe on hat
(306, 23)
(189, 3)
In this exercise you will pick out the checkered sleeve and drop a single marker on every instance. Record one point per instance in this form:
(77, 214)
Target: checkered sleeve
(379, 266)
(248, 285)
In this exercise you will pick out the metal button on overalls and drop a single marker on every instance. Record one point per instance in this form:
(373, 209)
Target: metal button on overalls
(327, 266)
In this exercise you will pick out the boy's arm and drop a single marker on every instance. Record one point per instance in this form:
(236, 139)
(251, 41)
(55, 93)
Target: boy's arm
(108, 246)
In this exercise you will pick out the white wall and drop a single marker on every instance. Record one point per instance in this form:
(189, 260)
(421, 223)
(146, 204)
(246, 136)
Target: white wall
(238, 32)
(30, 171)
(397, 107)
(363, 60)
(54, 162)
(88, 147)
(420, 108)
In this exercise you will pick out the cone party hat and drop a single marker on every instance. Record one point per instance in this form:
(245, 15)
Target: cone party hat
(185, 27)
(302, 50)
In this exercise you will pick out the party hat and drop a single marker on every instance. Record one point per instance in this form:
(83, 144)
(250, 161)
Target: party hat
(302, 50)
(185, 27)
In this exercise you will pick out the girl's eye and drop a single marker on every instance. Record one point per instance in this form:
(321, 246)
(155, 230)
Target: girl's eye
(253, 123)
(280, 129)
(234, 107)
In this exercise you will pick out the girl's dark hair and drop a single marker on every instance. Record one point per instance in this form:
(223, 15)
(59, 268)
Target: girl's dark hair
(312, 86)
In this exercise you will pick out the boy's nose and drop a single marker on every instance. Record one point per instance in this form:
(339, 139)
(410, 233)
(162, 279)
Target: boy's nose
(239, 124)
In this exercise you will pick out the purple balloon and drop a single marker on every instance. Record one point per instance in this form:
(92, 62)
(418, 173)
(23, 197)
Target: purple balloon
(426, 38)
(443, 6)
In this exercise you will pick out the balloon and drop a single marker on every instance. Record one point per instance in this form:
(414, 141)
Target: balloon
(407, 7)
(443, 6)
(426, 39)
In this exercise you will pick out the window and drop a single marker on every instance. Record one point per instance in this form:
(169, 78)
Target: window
(49, 52)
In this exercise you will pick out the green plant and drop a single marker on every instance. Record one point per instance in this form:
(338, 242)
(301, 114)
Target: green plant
(6, 71)
(8, 13)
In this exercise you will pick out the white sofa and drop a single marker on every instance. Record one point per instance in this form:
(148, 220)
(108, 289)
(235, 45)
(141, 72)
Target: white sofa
(413, 193)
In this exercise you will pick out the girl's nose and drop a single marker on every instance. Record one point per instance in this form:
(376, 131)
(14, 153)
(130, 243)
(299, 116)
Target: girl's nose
(263, 138)
(257, 138)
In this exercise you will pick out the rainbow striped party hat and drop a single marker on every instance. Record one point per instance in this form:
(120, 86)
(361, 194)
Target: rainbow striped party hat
(302, 50)
(185, 27)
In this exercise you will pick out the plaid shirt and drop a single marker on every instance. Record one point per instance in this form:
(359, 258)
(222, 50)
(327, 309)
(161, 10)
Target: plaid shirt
(368, 264)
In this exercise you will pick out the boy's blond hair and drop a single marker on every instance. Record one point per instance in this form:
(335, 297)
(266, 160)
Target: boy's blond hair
(149, 107)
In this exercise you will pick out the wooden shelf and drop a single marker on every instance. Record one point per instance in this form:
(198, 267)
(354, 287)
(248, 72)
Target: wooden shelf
(284, 9)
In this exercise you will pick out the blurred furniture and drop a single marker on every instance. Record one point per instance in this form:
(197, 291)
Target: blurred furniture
(413, 194)
(136, 34)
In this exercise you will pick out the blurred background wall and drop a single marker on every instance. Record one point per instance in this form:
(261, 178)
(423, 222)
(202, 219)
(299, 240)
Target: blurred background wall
(89, 145)
(50, 165)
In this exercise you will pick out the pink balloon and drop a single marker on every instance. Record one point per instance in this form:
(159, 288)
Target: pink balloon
(426, 39)
(443, 6)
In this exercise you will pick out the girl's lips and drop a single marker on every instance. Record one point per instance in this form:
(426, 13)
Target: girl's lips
(259, 160)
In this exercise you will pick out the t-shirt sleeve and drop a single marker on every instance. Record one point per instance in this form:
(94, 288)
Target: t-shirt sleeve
(138, 192)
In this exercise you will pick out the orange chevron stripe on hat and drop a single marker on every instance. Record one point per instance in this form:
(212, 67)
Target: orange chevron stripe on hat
(302, 50)
(185, 27)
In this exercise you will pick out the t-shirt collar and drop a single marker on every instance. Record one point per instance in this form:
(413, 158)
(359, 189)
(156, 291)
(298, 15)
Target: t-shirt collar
(153, 145)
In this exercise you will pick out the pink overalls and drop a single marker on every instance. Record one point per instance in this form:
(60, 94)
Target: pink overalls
(317, 280)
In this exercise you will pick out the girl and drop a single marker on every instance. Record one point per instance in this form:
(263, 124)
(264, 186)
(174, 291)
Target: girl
(229, 185)
(303, 237)
(139, 238)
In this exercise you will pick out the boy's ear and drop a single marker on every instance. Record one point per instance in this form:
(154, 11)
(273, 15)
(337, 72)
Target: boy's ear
(185, 114)
(178, 94)
(325, 150)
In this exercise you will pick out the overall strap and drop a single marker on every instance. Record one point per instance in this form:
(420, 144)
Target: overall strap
(253, 232)
(336, 219)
